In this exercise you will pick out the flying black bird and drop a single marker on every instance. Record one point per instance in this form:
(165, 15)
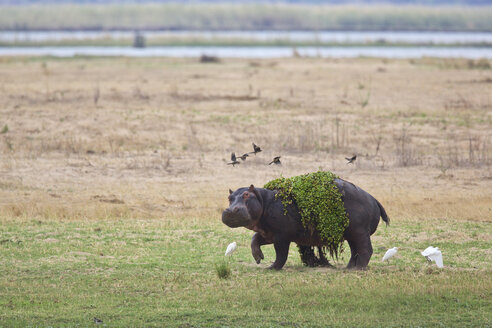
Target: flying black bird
(351, 160)
(97, 320)
(256, 149)
(234, 161)
(244, 156)
(276, 160)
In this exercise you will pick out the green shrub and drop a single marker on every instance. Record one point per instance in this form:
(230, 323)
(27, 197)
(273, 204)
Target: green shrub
(320, 205)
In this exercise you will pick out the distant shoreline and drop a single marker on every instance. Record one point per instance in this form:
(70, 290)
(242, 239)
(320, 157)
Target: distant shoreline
(245, 17)
(144, 29)
(128, 43)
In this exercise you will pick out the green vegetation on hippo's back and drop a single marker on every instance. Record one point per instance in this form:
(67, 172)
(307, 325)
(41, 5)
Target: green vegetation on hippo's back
(320, 205)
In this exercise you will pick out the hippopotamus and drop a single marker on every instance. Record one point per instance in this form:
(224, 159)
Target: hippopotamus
(259, 210)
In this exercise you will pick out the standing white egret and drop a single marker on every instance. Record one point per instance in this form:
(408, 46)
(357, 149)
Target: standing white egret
(433, 254)
(230, 249)
(390, 253)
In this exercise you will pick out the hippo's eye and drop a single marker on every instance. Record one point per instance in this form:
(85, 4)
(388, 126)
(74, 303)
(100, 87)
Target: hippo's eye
(246, 195)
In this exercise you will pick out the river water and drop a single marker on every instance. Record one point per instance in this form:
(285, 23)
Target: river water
(299, 36)
(254, 52)
(437, 44)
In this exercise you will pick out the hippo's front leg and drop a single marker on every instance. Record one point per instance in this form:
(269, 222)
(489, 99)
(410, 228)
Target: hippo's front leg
(256, 242)
(282, 252)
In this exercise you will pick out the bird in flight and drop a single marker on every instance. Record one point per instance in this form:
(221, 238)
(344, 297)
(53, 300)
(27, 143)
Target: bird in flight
(244, 156)
(276, 160)
(256, 149)
(433, 254)
(234, 161)
(351, 160)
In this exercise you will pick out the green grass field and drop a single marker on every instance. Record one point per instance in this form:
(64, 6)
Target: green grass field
(161, 272)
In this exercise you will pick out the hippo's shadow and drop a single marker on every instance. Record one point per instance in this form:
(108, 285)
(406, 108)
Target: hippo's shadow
(311, 257)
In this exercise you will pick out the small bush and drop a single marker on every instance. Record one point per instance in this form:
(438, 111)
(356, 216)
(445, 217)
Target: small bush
(481, 63)
(209, 59)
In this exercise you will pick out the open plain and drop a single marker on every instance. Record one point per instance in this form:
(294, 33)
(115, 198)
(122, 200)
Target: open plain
(113, 177)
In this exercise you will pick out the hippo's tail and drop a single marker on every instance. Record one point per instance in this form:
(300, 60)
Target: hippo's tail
(383, 213)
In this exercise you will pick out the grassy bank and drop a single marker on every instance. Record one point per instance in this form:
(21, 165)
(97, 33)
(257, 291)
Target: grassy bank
(245, 17)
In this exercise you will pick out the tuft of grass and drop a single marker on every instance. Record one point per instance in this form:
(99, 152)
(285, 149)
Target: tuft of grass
(364, 99)
(223, 270)
(5, 129)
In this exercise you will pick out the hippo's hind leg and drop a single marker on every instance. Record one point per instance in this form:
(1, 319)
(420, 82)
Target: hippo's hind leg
(353, 255)
(323, 261)
(309, 258)
(364, 254)
(361, 250)
(307, 255)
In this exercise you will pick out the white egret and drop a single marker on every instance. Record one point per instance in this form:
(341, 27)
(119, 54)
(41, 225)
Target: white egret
(433, 254)
(230, 249)
(390, 253)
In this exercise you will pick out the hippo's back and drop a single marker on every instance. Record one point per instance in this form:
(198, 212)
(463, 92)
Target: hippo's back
(362, 208)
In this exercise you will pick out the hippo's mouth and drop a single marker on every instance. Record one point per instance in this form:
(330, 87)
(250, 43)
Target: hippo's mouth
(236, 219)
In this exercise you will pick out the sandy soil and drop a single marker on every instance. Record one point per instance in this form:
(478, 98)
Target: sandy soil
(98, 137)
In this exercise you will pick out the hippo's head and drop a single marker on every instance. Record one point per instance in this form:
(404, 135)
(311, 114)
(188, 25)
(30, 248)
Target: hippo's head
(245, 208)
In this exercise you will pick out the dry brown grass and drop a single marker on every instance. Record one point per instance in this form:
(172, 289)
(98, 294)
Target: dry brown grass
(99, 138)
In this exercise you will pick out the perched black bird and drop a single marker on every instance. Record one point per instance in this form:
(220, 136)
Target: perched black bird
(351, 160)
(244, 156)
(97, 320)
(234, 161)
(256, 149)
(276, 160)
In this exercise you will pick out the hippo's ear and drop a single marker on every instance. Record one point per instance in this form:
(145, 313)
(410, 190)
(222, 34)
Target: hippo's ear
(230, 191)
(256, 193)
